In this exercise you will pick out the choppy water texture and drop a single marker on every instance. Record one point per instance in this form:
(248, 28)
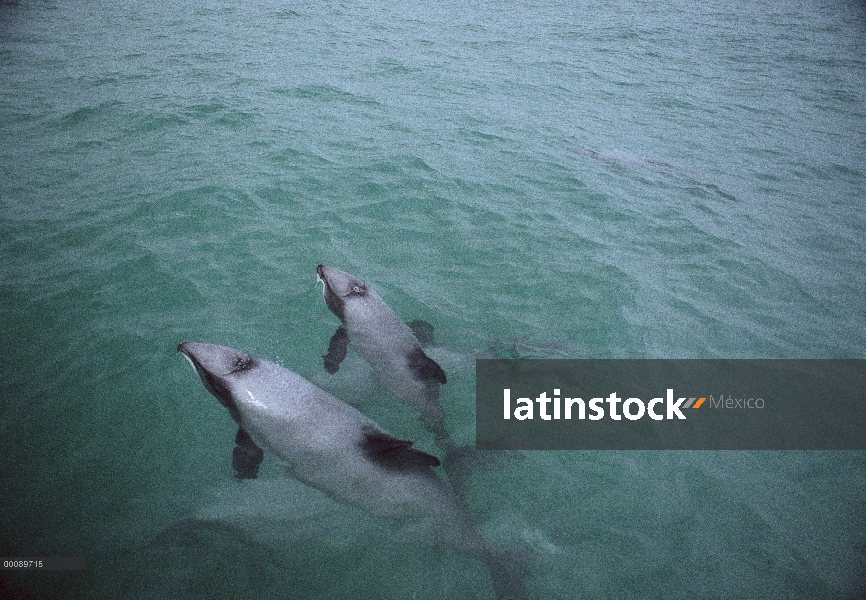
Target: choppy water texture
(545, 179)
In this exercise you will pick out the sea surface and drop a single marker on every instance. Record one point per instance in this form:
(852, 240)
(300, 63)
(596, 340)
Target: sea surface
(536, 179)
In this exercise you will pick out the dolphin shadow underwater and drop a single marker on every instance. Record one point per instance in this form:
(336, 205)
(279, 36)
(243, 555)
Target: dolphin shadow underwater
(331, 446)
(625, 162)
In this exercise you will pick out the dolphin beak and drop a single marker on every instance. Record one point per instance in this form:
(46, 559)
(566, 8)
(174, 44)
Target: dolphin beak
(182, 349)
(212, 381)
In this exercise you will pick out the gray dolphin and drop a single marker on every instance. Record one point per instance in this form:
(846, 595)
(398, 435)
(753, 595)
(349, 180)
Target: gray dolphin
(333, 447)
(394, 350)
(385, 342)
(621, 161)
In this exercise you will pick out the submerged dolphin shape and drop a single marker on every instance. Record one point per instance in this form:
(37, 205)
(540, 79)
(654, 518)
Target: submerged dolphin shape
(334, 448)
(619, 160)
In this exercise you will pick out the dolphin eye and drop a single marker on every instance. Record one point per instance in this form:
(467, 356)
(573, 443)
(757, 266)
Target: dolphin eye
(358, 290)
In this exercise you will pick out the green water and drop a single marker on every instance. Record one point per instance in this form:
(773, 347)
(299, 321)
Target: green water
(547, 180)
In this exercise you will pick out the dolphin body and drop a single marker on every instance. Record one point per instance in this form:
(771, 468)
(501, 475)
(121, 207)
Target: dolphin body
(334, 448)
(387, 344)
(621, 161)
(394, 350)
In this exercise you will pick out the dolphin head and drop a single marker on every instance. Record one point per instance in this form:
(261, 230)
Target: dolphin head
(216, 365)
(340, 288)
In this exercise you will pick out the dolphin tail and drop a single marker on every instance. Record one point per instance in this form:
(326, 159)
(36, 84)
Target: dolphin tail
(460, 462)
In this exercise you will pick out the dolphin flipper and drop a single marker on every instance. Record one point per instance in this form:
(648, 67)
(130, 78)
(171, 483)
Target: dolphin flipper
(246, 456)
(336, 350)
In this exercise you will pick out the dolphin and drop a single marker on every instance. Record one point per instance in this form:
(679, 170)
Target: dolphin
(336, 449)
(394, 350)
(622, 161)
(387, 344)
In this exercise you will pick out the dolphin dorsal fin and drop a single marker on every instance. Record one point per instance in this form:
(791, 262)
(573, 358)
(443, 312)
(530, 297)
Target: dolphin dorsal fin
(395, 454)
(425, 368)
